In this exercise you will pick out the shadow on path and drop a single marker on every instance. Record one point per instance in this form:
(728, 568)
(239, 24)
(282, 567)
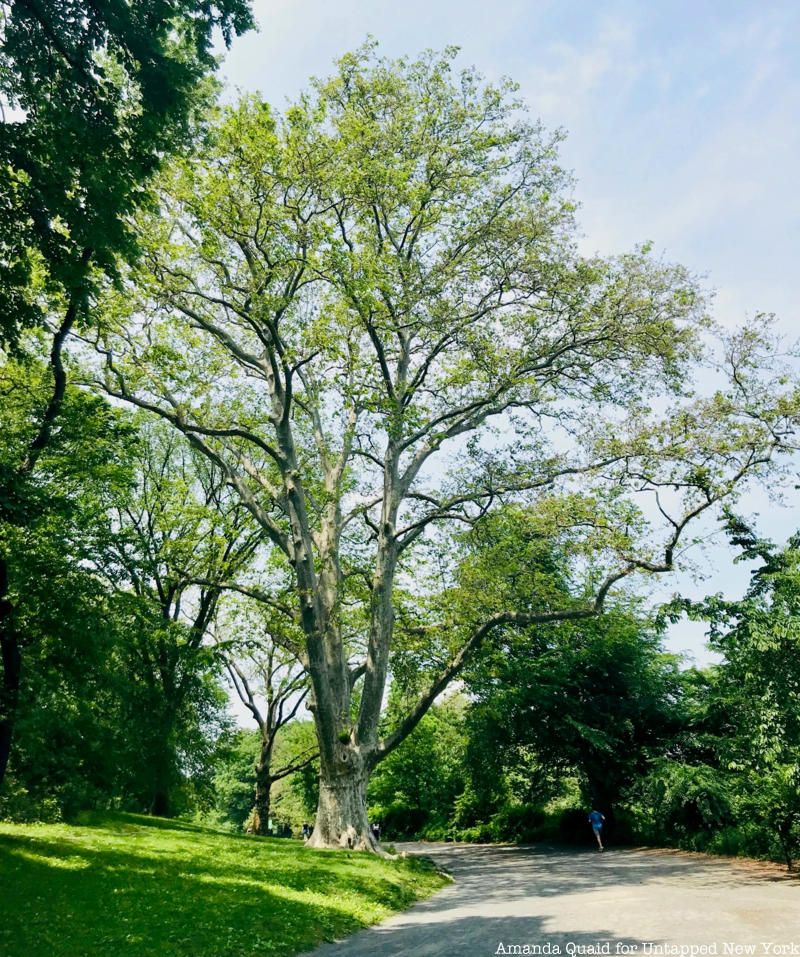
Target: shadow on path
(464, 937)
(539, 895)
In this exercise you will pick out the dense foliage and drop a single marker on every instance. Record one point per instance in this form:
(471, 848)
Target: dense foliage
(597, 715)
(734, 785)
(93, 97)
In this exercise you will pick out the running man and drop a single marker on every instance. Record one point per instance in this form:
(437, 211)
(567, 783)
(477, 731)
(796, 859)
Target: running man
(596, 820)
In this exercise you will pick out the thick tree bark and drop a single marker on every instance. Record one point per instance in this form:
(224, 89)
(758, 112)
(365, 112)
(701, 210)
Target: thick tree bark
(342, 809)
(346, 763)
(12, 667)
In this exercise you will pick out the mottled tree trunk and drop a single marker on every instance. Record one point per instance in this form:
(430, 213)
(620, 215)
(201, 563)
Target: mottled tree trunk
(342, 809)
(12, 667)
(345, 764)
(348, 757)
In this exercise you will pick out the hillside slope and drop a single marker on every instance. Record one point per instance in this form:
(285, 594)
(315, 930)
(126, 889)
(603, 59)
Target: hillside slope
(136, 887)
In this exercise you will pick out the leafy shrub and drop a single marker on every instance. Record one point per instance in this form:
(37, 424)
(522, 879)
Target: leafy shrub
(684, 803)
(19, 805)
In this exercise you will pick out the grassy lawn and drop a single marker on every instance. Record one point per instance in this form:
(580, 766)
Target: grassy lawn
(142, 887)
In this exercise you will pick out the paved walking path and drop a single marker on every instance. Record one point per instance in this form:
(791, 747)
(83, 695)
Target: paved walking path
(622, 898)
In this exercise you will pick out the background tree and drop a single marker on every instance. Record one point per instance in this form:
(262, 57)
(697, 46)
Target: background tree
(272, 685)
(415, 789)
(594, 700)
(728, 779)
(177, 536)
(294, 798)
(759, 685)
(46, 549)
(91, 101)
(382, 278)
(234, 780)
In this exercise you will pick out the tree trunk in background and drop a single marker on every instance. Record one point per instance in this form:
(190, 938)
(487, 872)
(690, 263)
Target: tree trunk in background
(161, 781)
(263, 789)
(159, 806)
(12, 666)
(163, 758)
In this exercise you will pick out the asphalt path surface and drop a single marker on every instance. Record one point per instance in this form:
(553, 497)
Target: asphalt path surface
(622, 902)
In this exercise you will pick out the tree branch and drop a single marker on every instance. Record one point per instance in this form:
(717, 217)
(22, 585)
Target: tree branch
(522, 619)
(42, 437)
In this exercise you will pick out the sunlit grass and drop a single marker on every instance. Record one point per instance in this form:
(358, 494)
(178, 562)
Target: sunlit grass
(141, 887)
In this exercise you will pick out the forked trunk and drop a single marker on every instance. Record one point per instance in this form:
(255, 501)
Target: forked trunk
(342, 809)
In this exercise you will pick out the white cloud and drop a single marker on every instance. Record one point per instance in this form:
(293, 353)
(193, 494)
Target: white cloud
(566, 86)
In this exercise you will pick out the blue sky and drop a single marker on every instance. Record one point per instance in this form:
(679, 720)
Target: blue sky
(683, 122)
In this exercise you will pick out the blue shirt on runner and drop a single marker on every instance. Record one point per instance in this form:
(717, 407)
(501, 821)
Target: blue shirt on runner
(596, 819)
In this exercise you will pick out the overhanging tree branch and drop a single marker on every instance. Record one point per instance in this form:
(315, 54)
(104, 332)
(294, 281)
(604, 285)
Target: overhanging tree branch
(522, 619)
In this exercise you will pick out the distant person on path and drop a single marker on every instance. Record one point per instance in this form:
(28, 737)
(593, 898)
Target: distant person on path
(596, 820)
(376, 831)
(306, 831)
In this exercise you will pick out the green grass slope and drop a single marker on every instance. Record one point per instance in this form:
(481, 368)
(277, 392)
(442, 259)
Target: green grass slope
(143, 887)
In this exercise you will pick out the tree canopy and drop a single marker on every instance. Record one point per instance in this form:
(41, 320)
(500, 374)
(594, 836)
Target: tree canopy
(93, 97)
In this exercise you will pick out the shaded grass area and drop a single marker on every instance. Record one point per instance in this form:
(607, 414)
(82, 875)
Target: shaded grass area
(137, 887)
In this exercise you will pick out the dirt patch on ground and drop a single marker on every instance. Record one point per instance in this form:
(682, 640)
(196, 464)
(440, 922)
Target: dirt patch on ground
(761, 870)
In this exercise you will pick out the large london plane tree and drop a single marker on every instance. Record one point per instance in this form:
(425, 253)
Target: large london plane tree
(371, 313)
